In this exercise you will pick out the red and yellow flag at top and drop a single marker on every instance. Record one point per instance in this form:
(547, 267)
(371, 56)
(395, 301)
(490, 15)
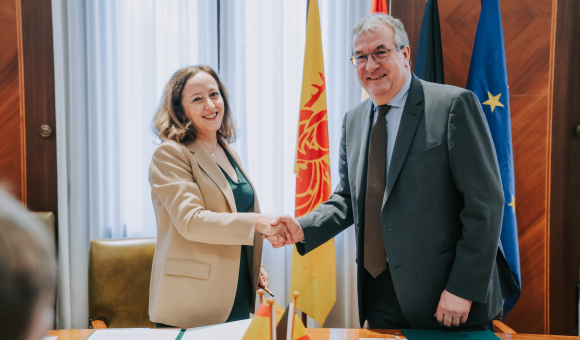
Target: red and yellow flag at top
(379, 6)
(313, 275)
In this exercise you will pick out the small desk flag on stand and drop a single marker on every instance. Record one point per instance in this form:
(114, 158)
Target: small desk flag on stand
(262, 326)
(298, 332)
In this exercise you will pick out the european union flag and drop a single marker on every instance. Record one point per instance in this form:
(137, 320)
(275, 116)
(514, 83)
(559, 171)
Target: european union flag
(429, 62)
(488, 80)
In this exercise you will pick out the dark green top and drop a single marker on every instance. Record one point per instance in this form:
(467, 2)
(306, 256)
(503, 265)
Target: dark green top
(244, 197)
(243, 192)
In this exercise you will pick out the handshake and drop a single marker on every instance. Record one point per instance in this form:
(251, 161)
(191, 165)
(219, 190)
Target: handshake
(280, 231)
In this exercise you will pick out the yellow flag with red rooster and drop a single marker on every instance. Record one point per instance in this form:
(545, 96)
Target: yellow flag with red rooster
(313, 275)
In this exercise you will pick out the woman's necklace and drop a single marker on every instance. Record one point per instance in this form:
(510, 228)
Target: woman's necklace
(212, 154)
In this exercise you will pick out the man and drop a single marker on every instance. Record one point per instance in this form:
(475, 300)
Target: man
(27, 273)
(420, 180)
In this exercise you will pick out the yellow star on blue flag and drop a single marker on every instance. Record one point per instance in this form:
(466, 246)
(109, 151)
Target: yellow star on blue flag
(493, 101)
(513, 203)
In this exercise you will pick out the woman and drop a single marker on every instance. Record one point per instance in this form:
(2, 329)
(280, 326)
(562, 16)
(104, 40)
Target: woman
(206, 267)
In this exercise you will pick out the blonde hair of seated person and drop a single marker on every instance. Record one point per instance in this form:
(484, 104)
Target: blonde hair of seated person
(27, 273)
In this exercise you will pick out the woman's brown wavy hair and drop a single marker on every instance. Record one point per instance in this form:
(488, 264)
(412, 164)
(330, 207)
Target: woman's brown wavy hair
(170, 122)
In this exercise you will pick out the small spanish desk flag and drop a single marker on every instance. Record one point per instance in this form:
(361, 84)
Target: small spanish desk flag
(298, 332)
(314, 274)
(260, 327)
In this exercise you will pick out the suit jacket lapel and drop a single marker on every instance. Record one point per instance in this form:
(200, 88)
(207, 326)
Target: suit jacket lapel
(361, 171)
(412, 113)
(214, 172)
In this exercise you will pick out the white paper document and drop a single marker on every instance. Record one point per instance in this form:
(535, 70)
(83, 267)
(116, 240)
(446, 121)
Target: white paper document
(50, 338)
(134, 334)
(341, 334)
(226, 331)
(230, 331)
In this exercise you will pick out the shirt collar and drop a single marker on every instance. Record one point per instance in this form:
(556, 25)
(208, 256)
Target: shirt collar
(401, 97)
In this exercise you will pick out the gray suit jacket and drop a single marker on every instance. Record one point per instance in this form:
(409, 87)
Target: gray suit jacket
(442, 207)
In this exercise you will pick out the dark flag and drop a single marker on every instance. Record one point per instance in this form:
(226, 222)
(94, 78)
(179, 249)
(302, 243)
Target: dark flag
(429, 62)
(488, 80)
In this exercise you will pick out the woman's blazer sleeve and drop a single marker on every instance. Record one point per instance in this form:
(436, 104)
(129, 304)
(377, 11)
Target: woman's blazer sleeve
(173, 186)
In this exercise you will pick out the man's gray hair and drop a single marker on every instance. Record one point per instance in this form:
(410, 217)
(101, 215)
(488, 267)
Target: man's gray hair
(375, 20)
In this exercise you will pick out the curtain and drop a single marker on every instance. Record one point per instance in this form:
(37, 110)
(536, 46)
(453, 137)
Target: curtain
(112, 60)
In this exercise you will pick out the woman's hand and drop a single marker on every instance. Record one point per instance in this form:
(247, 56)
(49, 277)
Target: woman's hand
(263, 282)
(274, 233)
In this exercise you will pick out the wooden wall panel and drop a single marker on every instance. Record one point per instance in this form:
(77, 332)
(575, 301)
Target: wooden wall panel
(411, 14)
(527, 42)
(458, 21)
(527, 31)
(565, 171)
(27, 160)
(38, 62)
(530, 158)
(11, 137)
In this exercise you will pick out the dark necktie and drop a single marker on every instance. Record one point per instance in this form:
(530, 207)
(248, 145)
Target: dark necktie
(375, 258)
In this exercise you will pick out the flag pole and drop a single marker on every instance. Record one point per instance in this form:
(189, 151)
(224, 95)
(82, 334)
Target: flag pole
(296, 295)
(272, 319)
(304, 316)
(261, 293)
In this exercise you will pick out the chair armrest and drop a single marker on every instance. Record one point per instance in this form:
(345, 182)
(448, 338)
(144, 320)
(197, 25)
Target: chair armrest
(501, 327)
(98, 324)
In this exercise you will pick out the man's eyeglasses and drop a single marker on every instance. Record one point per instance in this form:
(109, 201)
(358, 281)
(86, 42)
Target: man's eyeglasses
(380, 55)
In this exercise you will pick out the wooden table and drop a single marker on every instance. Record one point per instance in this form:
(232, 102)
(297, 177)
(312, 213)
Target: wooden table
(324, 333)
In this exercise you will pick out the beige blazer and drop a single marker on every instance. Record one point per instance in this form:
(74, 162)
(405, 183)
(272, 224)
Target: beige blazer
(199, 237)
